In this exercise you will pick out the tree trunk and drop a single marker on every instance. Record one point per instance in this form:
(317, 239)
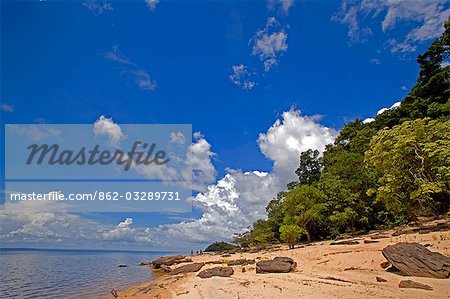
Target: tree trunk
(308, 232)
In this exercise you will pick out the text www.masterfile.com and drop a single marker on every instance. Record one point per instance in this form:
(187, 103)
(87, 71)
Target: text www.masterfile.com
(96, 195)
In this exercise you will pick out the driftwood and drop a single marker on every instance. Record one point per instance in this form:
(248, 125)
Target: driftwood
(414, 259)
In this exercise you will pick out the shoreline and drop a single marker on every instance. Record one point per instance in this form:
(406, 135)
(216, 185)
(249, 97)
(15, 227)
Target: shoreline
(323, 270)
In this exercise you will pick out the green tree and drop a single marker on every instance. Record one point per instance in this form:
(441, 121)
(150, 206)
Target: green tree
(309, 169)
(306, 207)
(262, 232)
(413, 164)
(290, 233)
(275, 215)
(344, 209)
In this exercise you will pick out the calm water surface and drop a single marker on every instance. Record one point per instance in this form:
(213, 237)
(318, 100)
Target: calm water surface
(70, 274)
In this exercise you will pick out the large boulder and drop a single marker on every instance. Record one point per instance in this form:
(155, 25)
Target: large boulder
(194, 267)
(414, 259)
(277, 265)
(217, 271)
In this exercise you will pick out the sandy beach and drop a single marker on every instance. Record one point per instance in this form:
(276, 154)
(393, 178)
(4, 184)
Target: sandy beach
(322, 271)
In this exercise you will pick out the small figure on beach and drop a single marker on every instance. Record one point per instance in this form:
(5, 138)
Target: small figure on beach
(192, 252)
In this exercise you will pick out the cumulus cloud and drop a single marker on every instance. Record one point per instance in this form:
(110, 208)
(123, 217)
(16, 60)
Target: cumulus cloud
(239, 198)
(106, 126)
(241, 77)
(428, 16)
(6, 107)
(199, 171)
(288, 137)
(98, 7)
(151, 4)
(125, 232)
(270, 43)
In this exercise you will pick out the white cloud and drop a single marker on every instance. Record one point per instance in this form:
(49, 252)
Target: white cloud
(395, 105)
(287, 138)
(34, 132)
(199, 171)
(141, 77)
(239, 198)
(98, 7)
(151, 4)
(28, 223)
(241, 77)
(230, 205)
(106, 126)
(117, 56)
(143, 80)
(427, 16)
(7, 108)
(177, 138)
(125, 232)
(368, 120)
(375, 61)
(381, 111)
(269, 43)
(283, 5)
(403, 87)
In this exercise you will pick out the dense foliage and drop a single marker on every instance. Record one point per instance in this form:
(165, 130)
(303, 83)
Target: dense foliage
(382, 173)
(219, 246)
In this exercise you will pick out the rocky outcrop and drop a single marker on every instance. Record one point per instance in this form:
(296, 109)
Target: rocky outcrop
(167, 260)
(194, 267)
(277, 265)
(414, 259)
(217, 271)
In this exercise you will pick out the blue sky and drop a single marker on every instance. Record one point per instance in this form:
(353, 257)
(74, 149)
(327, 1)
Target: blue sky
(171, 61)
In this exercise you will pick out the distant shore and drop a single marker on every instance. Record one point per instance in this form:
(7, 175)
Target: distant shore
(323, 271)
